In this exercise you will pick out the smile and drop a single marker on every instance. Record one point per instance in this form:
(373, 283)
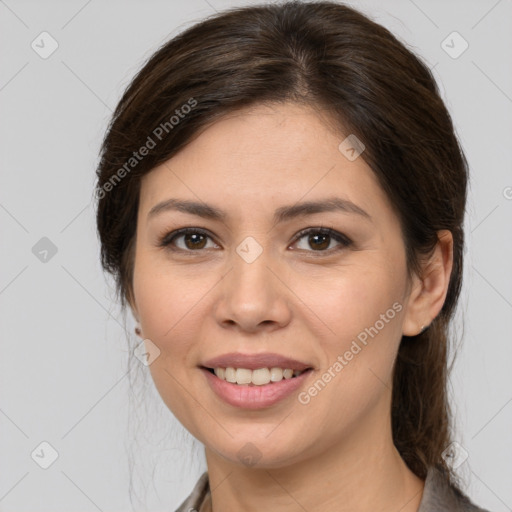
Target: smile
(254, 389)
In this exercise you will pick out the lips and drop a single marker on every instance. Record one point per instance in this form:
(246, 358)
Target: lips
(251, 396)
(255, 361)
(255, 397)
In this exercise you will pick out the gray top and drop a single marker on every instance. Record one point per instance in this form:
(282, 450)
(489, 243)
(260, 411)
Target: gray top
(438, 496)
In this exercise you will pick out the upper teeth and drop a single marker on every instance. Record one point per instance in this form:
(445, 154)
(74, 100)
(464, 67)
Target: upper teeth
(258, 377)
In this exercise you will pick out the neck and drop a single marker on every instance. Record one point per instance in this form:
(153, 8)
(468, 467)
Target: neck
(361, 473)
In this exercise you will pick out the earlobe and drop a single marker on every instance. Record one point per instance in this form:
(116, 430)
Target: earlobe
(429, 292)
(413, 318)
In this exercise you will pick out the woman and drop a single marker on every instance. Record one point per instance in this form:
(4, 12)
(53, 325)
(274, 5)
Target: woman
(281, 202)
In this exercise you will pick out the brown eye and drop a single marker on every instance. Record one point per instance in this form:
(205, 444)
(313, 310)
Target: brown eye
(320, 239)
(192, 240)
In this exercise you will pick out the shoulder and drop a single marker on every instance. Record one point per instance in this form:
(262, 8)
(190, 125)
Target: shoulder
(196, 498)
(441, 496)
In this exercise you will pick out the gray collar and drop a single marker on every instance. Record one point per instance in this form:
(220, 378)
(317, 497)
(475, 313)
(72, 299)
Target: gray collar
(440, 496)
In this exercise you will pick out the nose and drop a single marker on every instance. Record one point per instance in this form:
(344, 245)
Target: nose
(253, 295)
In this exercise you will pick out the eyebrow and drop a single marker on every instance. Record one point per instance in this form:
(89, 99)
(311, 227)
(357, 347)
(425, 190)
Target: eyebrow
(281, 214)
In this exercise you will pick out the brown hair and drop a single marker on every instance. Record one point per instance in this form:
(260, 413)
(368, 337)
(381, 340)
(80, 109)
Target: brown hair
(331, 57)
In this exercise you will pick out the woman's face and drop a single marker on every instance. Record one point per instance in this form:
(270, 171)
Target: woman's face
(249, 283)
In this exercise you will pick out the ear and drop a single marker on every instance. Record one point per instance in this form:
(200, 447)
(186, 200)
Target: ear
(429, 290)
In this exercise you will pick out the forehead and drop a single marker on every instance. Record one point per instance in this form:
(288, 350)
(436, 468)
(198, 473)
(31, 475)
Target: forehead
(268, 154)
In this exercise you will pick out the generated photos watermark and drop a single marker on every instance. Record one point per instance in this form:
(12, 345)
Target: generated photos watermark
(156, 136)
(343, 360)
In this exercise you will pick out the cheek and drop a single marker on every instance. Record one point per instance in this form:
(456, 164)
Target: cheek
(360, 310)
(168, 299)
(353, 298)
(172, 305)
(170, 311)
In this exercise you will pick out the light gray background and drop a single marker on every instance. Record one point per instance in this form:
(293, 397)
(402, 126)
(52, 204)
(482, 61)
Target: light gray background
(63, 372)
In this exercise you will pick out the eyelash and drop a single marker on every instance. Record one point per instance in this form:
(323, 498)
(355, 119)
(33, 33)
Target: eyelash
(167, 240)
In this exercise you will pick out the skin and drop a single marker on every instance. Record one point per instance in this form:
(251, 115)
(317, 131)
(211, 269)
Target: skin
(296, 299)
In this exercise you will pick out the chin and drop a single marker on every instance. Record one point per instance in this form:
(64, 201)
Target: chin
(259, 450)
